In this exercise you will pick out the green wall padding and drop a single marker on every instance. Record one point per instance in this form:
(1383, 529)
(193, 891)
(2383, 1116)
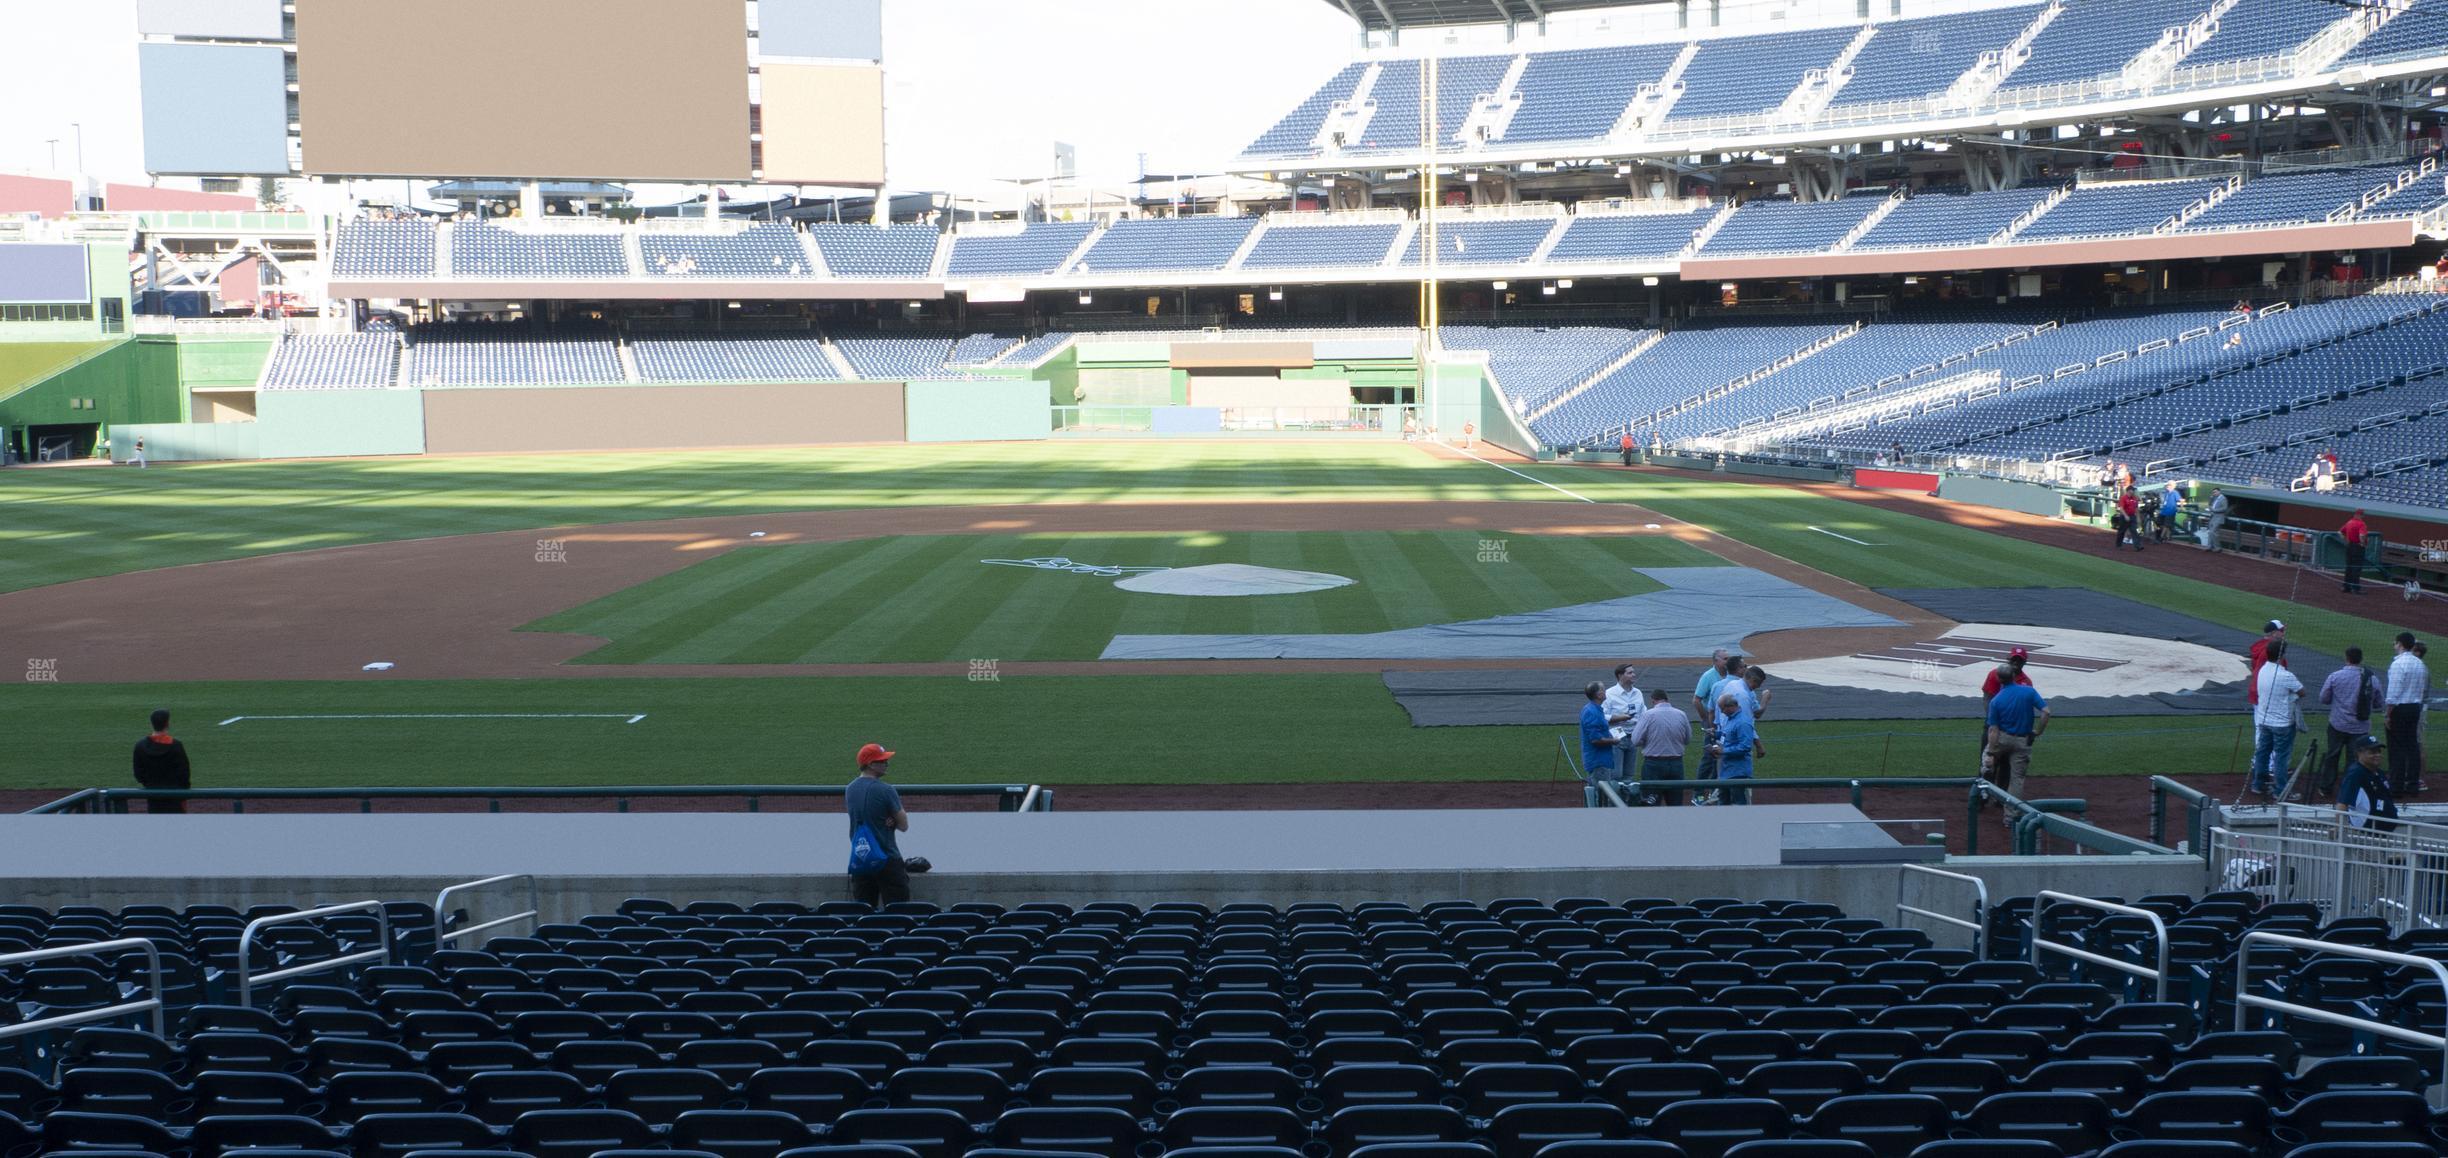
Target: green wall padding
(339, 423)
(977, 411)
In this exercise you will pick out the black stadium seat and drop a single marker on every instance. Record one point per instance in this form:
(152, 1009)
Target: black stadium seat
(1514, 1029)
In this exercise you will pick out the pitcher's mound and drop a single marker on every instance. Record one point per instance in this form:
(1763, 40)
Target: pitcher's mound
(1230, 579)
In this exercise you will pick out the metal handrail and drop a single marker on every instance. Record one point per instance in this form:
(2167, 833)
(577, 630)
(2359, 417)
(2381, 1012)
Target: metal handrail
(1979, 924)
(151, 1004)
(443, 935)
(2039, 943)
(2196, 802)
(247, 977)
(2246, 1000)
(115, 800)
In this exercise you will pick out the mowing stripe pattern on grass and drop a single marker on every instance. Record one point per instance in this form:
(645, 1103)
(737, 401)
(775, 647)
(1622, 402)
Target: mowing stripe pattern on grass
(921, 599)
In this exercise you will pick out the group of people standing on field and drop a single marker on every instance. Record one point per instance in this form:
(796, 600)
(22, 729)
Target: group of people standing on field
(1628, 735)
(2357, 700)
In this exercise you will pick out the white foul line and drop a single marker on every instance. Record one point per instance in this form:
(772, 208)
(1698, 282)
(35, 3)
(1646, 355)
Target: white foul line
(621, 716)
(1539, 481)
(1846, 538)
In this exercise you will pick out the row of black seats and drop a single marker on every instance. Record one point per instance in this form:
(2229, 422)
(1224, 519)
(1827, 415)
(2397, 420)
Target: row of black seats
(658, 1088)
(2234, 1125)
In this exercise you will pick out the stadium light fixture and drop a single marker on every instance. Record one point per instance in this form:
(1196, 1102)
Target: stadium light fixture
(1500, 286)
(1471, 177)
(734, 305)
(1275, 295)
(1087, 299)
(1564, 283)
(1649, 281)
(1623, 168)
(1548, 289)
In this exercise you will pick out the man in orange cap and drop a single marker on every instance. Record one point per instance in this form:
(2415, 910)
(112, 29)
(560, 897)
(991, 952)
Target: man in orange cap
(876, 806)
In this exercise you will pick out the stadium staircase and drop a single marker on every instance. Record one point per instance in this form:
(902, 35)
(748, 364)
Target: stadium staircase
(1348, 119)
(1820, 85)
(1708, 229)
(1716, 392)
(815, 254)
(1492, 113)
(840, 364)
(1402, 242)
(2033, 214)
(1248, 243)
(2155, 64)
(633, 253)
(1640, 347)
(1079, 251)
(1652, 101)
(2204, 205)
(1861, 230)
(1990, 73)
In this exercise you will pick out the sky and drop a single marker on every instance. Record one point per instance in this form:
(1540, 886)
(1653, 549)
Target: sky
(975, 89)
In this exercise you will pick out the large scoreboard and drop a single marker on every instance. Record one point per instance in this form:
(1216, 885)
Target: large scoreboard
(778, 91)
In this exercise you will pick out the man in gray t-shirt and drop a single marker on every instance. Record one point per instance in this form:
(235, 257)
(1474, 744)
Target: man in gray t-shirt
(877, 805)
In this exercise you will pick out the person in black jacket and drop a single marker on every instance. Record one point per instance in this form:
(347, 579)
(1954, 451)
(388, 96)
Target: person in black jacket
(161, 762)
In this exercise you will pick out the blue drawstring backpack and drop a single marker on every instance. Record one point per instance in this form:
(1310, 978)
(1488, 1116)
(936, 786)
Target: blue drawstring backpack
(866, 852)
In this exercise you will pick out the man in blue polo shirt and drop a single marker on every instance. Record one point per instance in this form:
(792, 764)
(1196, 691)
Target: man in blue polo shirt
(2017, 716)
(1598, 743)
(1737, 741)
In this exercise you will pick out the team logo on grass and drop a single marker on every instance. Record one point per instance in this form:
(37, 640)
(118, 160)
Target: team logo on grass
(1955, 651)
(2063, 662)
(1059, 563)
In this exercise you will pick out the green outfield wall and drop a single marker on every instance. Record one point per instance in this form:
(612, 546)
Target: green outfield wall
(977, 411)
(339, 423)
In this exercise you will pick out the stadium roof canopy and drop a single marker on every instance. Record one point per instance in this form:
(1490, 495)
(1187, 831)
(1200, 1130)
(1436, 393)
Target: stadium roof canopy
(1396, 15)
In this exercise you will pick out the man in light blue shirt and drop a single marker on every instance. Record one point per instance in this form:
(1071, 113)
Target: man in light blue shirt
(1598, 743)
(1737, 741)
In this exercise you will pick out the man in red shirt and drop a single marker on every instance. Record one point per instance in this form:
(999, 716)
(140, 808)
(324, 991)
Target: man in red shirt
(2130, 506)
(2271, 632)
(2354, 533)
(1626, 446)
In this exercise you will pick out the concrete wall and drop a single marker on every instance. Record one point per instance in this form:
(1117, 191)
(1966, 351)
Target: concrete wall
(2004, 494)
(1861, 890)
(338, 423)
(977, 411)
(660, 417)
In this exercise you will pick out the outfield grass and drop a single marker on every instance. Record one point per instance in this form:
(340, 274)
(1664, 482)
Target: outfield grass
(57, 525)
(948, 729)
(920, 598)
(63, 524)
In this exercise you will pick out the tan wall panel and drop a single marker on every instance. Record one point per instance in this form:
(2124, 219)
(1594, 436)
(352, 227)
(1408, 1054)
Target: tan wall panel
(660, 417)
(823, 124)
(628, 89)
(1277, 355)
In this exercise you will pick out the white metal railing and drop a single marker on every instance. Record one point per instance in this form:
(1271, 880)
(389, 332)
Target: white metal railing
(443, 935)
(2247, 1000)
(235, 327)
(2040, 942)
(248, 979)
(2396, 870)
(1277, 218)
(1977, 925)
(153, 983)
(1634, 206)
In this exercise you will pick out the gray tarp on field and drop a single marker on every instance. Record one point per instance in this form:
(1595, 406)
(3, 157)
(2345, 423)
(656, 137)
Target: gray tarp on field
(1553, 696)
(1701, 609)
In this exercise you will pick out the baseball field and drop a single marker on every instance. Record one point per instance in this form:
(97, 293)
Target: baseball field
(752, 616)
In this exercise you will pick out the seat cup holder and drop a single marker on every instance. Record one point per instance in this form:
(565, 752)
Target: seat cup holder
(1165, 1108)
(1316, 1148)
(1309, 1107)
(876, 1104)
(1150, 1149)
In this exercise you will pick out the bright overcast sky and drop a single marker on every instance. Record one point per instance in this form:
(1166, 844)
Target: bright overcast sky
(975, 88)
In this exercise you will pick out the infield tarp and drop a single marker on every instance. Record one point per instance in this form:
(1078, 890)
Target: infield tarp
(1545, 697)
(1701, 609)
